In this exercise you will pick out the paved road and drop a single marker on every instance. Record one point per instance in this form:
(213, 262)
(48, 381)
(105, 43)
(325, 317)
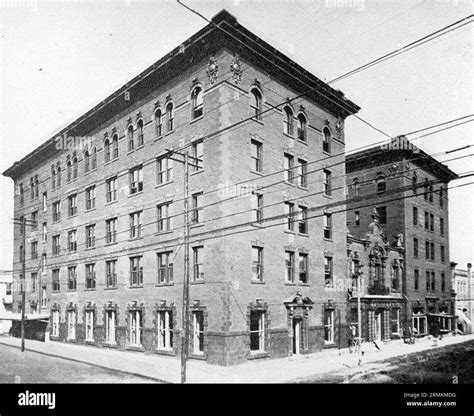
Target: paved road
(31, 367)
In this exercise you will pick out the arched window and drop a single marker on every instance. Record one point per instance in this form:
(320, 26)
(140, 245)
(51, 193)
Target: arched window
(140, 133)
(107, 150)
(58, 176)
(87, 161)
(326, 140)
(158, 123)
(74, 167)
(115, 147)
(36, 186)
(380, 183)
(356, 186)
(94, 158)
(302, 127)
(69, 170)
(53, 177)
(169, 117)
(131, 144)
(288, 121)
(196, 100)
(256, 103)
(32, 188)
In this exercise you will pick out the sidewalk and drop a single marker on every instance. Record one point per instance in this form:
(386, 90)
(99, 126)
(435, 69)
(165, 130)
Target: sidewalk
(269, 371)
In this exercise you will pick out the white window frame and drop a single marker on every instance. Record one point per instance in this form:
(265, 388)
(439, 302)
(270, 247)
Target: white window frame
(197, 330)
(165, 330)
(71, 325)
(260, 331)
(89, 324)
(135, 328)
(329, 326)
(110, 327)
(55, 324)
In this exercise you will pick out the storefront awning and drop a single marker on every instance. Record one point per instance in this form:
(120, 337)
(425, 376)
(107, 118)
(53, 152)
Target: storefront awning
(28, 317)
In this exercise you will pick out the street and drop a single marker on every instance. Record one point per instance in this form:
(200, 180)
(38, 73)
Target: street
(447, 365)
(31, 367)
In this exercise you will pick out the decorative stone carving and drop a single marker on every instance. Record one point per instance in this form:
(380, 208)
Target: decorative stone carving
(212, 69)
(236, 69)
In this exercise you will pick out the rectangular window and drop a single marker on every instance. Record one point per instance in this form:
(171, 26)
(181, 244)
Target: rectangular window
(90, 236)
(415, 247)
(382, 211)
(44, 259)
(442, 254)
(164, 166)
(303, 268)
(164, 219)
(135, 225)
(56, 244)
(441, 226)
(56, 211)
(34, 279)
(45, 202)
(72, 240)
(44, 298)
(198, 332)
(136, 271)
(34, 250)
(427, 250)
(303, 173)
(257, 264)
(302, 220)
(328, 275)
(327, 183)
(165, 330)
(165, 267)
(55, 280)
(71, 325)
(416, 279)
(443, 282)
(328, 226)
(111, 189)
(71, 278)
(357, 218)
(110, 327)
(432, 250)
(431, 222)
(34, 220)
(415, 216)
(428, 280)
(72, 205)
(195, 210)
(111, 231)
(258, 207)
(328, 326)
(89, 326)
(111, 274)
(257, 331)
(90, 198)
(433, 281)
(55, 324)
(395, 321)
(45, 232)
(197, 156)
(198, 269)
(288, 164)
(135, 328)
(90, 276)
(290, 266)
(136, 180)
(290, 214)
(256, 155)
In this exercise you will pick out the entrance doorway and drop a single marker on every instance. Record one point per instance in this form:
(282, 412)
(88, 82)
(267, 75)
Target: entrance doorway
(297, 335)
(378, 326)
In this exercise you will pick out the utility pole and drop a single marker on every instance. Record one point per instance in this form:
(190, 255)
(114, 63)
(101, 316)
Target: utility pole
(23, 282)
(185, 338)
(359, 311)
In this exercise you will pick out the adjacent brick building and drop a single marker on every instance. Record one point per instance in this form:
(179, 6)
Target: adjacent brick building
(409, 190)
(268, 234)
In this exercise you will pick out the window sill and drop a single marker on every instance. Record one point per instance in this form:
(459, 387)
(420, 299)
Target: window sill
(135, 238)
(328, 196)
(135, 287)
(90, 209)
(112, 243)
(288, 135)
(139, 348)
(163, 184)
(169, 352)
(158, 138)
(90, 248)
(197, 282)
(257, 282)
(71, 290)
(305, 142)
(168, 133)
(111, 288)
(258, 224)
(198, 356)
(326, 153)
(91, 289)
(110, 345)
(257, 121)
(303, 235)
(290, 284)
(111, 202)
(197, 225)
(256, 172)
(159, 233)
(135, 194)
(303, 188)
(196, 172)
(290, 232)
(72, 216)
(164, 284)
(329, 240)
(258, 354)
(140, 147)
(194, 120)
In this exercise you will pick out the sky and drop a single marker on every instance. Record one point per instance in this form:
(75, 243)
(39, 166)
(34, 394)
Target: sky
(59, 59)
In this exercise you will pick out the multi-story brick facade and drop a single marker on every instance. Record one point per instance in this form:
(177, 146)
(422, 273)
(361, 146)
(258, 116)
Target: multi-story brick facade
(107, 255)
(409, 190)
(463, 286)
